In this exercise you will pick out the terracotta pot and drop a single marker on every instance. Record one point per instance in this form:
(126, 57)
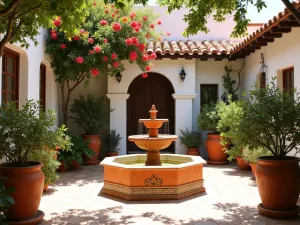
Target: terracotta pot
(253, 168)
(75, 164)
(193, 151)
(62, 167)
(28, 183)
(243, 165)
(278, 182)
(110, 154)
(214, 149)
(94, 145)
(45, 187)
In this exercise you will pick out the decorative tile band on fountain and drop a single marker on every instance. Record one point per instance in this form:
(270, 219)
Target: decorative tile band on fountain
(153, 176)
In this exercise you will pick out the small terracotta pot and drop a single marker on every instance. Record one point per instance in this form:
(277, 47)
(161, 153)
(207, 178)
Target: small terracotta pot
(45, 187)
(62, 167)
(110, 154)
(193, 151)
(75, 164)
(243, 165)
(215, 151)
(253, 168)
(28, 183)
(278, 182)
(94, 145)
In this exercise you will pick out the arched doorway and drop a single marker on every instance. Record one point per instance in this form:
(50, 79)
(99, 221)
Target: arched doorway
(155, 89)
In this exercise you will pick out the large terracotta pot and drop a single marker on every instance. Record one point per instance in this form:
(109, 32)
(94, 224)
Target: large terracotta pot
(45, 187)
(94, 145)
(243, 165)
(278, 182)
(193, 151)
(28, 183)
(111, 154)
(253, 168)
(214, 149)
(75, 164)
(62, 167)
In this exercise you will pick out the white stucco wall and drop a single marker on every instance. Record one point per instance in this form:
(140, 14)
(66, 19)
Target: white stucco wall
(281, 54)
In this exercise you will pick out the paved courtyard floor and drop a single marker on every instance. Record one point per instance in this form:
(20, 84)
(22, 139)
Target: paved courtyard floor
(231, 198)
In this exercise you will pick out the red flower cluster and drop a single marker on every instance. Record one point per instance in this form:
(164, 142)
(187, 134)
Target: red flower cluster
(115, 64)
(116, 26)
(144, 75)
(132, 15)
(142, 47)
(133, 56)
(95, 72)
(79, 60)
(103, 22)
(76, 38)
(132, 41)
(63, 46)
(91, 40)
(57, 22)
(105, 40)
(113, 56)
(54, 35)
(105, 58)
(97, 49)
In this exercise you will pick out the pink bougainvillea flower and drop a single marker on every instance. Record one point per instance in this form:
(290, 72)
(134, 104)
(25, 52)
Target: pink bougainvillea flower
(128, 41)
(124, 19)
(95, 72)
(153, 55)
(148, 68)
(105, 58)
(137, 29)
(135, 41)
(103, 22)
(54, 36)
(158, 22)
(133, 56)
(91, 40)
(106, 11)
(113, 56)
(133, 24)
(105, 40)
(132, 15)
(145, 58)
(140, 24)
(142, 47)
(113, 15)
(79, 60)
(76, 38)
(144, 75)
(82, 31)
(91, 52)
(145, 18)
(57, 22)
(152, 25)
(116, 26)
(63, 46)
(97, 49)
(115, 64)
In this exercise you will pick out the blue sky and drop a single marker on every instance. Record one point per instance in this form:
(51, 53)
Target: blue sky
(274, 6)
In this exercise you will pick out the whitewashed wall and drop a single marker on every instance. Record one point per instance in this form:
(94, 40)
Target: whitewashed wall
(281, 54)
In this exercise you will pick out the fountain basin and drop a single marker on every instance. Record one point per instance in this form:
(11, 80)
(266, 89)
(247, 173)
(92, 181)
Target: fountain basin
(127, 177)
(153, 143)
(153, 123)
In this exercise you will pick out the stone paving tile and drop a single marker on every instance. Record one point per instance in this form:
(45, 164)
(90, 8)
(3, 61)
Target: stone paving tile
(231, 198)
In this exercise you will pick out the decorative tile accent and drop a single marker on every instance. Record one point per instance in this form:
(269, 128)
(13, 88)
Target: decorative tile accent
(153, 181)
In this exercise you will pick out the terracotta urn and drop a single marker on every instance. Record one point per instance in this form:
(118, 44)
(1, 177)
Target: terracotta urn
(193, 151)
(215, 151)
(28, 183)
(62, 167)
(253, 168)
(95, 145)
(74, 164)
(243, 165)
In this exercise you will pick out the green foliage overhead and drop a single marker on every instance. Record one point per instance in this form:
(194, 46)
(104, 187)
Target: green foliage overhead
(271, 120)
(27, 130)
(113, 141)
(20, 20)
(191, 139)
(208, 119)
(90, 113)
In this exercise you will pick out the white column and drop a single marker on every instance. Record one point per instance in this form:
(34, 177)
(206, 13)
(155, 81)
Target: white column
(118, 118)
(183, 117)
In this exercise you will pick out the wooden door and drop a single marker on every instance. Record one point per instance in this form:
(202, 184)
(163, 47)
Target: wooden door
(155, 89)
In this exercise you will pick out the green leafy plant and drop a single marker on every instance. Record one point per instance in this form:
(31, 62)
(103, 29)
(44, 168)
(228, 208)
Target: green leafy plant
(90, 113)
(50, 164)
(208, 119)
(26, 131)
(251, 155)
(113, 141)
(271, 120)
(191, 139)
(78, 148)
(5, 199)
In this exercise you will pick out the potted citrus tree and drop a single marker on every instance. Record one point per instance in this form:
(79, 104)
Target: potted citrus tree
(23, 132)
(90, 113)
(113, 141)
(191, 140)
(207, 121)
(271, 120)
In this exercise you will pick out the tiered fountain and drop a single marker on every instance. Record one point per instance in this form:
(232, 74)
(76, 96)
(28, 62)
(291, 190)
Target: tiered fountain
(153, 176)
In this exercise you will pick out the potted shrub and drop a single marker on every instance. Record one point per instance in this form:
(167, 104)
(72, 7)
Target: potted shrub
(230, 114)
(191, 140)
(207, 121)
(89, 113)
(113, 141)
(272, 120)
(23, 132)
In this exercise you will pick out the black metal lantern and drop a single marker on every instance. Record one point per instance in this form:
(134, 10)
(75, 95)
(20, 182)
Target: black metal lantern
(119, 77)
(182, 74)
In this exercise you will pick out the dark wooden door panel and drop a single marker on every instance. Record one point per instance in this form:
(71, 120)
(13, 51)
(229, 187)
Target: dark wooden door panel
(155, 89)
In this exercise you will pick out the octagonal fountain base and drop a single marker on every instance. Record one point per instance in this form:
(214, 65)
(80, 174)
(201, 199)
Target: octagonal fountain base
(128, 178)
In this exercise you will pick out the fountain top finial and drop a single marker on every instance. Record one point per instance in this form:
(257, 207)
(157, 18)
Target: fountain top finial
(153, 112)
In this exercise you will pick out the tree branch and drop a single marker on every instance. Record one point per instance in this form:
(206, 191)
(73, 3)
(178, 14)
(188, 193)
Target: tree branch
(7, 36)
(292, 9)
(239, 76)
(36, 7)
(10, 8)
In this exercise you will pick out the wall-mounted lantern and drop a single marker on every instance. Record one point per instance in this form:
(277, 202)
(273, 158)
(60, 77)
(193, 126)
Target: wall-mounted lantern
(119, 77)
(182, 74)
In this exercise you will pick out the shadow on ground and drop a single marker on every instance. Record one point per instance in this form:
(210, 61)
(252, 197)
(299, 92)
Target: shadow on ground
(233, 214)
